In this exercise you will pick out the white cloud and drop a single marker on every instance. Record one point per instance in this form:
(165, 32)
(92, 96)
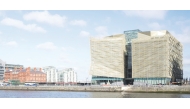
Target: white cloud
(147, 14)
(47, 46)
(181, 23)
(0, 32)
(84, 33)
(183, 37)
(45, 17)
(101, 29)
(186, 61)
(12, 44)
(155, 26)
(21, 25)
(78, 22)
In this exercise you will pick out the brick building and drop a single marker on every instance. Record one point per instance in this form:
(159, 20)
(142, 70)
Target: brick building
(25, 75)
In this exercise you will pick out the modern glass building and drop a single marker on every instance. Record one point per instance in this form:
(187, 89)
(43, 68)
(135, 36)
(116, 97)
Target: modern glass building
(129, 35)
(150, 57)
(107, 59)
(157, 58)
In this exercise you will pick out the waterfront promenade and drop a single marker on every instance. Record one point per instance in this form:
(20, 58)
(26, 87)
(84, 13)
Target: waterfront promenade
(144, 89)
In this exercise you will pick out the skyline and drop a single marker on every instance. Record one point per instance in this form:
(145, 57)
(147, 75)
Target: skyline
(61, 38)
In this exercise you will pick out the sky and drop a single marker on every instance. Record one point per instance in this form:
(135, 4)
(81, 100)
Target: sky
(61, 38)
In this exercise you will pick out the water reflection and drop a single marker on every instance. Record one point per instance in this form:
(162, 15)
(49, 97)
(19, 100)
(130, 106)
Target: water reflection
(66, 94)
(154, 95)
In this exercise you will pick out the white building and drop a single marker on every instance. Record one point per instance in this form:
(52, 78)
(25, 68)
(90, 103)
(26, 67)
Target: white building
(67, 75)
(51, 73)
(2, 70)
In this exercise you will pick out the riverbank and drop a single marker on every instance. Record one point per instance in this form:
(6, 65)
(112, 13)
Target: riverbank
(158, 89)
(64, 88)
(148, 89)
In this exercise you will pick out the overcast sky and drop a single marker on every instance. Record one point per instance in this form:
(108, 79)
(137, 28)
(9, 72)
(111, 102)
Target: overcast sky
(61, 38)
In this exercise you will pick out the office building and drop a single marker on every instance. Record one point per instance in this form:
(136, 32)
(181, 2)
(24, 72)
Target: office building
(152, 57)
(107, 59)
(157, 58)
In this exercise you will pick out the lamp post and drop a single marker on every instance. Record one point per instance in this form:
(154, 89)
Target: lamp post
(86, 81)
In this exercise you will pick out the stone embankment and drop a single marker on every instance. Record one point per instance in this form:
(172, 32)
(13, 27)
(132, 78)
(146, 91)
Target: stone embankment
(64, 88)
(144, 89)
(158, 89)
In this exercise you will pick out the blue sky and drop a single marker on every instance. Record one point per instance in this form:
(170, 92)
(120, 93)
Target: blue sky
(61, 38)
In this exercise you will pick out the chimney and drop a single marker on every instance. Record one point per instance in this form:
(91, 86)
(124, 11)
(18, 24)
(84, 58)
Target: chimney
(34, 68)
(40, 69)
(20, 68)
(28, 69)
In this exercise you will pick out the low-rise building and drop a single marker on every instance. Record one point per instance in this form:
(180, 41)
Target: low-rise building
(25, 75)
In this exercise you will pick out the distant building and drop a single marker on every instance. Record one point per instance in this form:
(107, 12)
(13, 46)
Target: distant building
(13, 66)
(51, 73)
(25, 75)
(67, 76)
(2, 69)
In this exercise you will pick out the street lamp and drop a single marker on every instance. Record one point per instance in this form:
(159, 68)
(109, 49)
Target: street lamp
(86, 81)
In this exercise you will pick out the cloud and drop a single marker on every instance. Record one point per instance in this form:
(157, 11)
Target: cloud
(147, 14)
(182, 23)
(47, 46)
(1, 32)
(12, 44)
(183, 37)
(84, 33)
(101, 29)
(186, 61)
(21, 25)
(155, 26)
(78, 22)
(46, 17)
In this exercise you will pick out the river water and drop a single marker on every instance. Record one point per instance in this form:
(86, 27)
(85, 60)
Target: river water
(67, 94)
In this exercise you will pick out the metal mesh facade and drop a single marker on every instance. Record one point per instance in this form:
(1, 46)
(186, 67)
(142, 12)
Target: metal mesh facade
(156, 54)
(107, 56)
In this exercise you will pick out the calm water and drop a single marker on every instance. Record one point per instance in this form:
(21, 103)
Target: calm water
(66, 94)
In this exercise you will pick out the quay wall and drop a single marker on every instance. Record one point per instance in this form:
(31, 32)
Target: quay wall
(63, 88)
(157, 89)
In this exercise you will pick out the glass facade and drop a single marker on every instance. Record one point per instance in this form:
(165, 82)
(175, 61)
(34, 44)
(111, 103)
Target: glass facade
(153, 81)
(105, 80)
(129, 35)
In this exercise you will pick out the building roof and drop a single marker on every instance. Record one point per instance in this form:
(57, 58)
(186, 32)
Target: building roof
(24, 70)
